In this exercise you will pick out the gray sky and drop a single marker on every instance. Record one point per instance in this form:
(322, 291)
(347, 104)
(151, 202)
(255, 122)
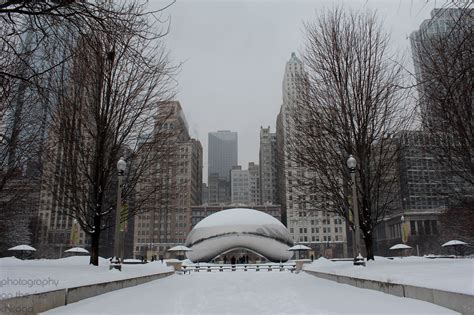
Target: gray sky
(234, 55)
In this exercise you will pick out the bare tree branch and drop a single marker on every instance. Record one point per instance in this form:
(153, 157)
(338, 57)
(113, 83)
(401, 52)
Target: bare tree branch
(108, 100)
(349, 101)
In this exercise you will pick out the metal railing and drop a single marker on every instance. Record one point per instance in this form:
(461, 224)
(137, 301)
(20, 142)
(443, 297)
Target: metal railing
(188, 268)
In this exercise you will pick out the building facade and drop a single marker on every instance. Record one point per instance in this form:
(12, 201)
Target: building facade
(219, 190)
(322, 230)
(240, 185)
(19, 203)
(254, 183)
(423, 194)
(173, 184)
(223, 152)
(268, 166)
(441, 21)
(222, 155)
(205, 193)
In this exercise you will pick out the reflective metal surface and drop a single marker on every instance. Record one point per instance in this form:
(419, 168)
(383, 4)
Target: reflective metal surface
(239, 228)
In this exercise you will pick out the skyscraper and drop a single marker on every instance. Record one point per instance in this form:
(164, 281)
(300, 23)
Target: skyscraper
(284, 126)
(222, 152)
(442, 23)
(222, 155)
(313, 226)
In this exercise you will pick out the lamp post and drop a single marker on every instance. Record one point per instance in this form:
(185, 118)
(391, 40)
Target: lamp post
(402, 220)
(352, 164)
(116, 260)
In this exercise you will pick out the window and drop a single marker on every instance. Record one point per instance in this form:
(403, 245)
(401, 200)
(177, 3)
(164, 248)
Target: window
(419, 225)
(434, 228)
(413, 227)
(427, 227)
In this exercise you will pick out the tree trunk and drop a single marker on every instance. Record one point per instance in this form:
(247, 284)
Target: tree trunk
(368, 241)
(95, 243)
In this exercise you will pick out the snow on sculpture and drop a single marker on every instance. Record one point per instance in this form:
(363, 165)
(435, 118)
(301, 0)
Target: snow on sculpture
(239, 228)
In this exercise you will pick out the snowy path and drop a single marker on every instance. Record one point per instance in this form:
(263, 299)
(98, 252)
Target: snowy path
(247, 293)
(455, 275)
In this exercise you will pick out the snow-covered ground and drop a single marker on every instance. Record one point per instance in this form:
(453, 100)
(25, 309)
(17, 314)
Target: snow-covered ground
(455, 275)
(247, 293)
(20, 277)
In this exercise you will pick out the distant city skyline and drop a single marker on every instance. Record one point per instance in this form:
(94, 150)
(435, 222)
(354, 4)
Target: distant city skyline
(231, 75)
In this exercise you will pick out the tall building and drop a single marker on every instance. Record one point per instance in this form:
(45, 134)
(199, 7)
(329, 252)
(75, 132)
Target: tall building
(322, 230)
(55, 228)
(57, 196)
(442, 21)
(268, 167)
(254, 183)
(176, 181)
(433, 161)
(222, 155)
(421, 194)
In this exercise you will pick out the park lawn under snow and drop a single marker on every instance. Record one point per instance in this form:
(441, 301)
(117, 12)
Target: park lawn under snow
(455, 275)
(248, 292)
(21, 277)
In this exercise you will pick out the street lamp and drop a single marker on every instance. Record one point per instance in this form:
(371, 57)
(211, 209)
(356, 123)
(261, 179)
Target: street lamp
(352, 164)
(116, 261)
(402, 220)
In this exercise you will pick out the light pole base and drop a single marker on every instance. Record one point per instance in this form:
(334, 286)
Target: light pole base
(115, 264)
(359, 261)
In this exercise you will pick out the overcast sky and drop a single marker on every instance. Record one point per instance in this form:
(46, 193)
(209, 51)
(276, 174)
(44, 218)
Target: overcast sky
(234, 55)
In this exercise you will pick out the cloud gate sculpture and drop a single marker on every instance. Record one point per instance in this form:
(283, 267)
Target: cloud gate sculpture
(239, 228)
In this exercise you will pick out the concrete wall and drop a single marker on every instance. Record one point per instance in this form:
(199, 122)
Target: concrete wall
(34, 303)
(42, 302)
(458, 302)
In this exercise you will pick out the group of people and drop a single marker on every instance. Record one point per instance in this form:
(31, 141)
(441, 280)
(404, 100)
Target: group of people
(153, 258)
(241, 260)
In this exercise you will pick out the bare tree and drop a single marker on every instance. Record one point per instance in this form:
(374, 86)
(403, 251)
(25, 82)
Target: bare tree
(443, 53)
(39, 20)
(349, 101)
(35, 37)
(108, 97)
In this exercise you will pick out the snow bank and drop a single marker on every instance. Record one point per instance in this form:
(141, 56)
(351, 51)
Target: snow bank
(20, 277)
(455, 275)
